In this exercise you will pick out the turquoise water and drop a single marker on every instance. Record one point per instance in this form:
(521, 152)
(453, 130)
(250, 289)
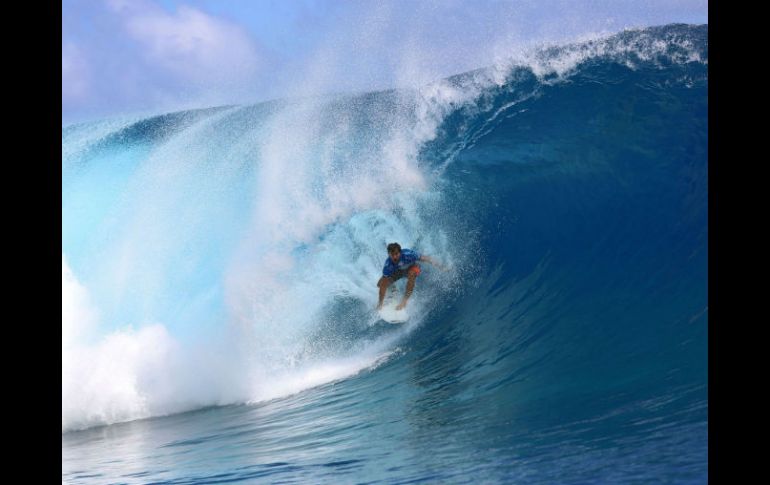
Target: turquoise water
(230, 257)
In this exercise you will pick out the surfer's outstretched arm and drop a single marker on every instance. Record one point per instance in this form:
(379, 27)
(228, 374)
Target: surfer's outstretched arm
(431, 261)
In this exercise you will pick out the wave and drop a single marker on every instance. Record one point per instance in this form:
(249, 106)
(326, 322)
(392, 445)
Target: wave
(230, 254)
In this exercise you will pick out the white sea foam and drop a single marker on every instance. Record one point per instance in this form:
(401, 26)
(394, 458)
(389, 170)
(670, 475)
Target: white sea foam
(317, 232)
(136, 371)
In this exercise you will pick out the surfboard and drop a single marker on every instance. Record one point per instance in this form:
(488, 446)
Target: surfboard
(388, 311)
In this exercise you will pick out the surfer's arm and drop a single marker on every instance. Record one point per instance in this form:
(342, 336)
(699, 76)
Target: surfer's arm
(430, 261)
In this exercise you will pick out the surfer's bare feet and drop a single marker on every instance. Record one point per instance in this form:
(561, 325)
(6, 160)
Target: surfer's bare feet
(401, 305)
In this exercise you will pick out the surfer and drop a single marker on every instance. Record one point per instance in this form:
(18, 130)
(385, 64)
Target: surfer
(401, 263)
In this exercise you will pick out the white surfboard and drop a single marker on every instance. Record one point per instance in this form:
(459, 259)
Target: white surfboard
(388, 311)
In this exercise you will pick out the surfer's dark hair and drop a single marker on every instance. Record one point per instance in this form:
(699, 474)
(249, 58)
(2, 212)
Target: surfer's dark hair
(393, 247)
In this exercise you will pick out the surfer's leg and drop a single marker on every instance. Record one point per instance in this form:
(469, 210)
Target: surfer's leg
(412, 277)
(383, 284)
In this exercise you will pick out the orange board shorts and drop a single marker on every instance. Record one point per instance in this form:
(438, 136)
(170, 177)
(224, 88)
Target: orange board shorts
(398, 274)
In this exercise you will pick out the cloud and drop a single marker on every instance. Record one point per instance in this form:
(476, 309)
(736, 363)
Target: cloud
(74, 73)
(191, 44)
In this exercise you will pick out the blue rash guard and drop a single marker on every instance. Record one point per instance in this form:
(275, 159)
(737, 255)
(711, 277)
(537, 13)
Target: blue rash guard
(408, 258)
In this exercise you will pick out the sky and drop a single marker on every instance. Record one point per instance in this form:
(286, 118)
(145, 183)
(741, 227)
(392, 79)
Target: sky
(128, 57)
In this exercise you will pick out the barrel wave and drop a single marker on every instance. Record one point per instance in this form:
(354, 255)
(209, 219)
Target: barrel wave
(219, 271)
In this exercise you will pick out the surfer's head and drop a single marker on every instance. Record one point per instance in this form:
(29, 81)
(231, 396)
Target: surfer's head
(394, 251)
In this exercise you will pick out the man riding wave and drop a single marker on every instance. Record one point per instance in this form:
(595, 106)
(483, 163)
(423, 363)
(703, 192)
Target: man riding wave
(401, 263)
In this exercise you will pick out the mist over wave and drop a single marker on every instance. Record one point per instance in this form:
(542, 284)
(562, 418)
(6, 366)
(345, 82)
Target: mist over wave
(230, 254)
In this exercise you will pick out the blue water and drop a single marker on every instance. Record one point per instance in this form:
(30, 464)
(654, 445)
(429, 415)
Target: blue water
(229, 258)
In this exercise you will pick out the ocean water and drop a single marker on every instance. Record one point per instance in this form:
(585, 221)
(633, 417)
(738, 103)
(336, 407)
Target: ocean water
(219, 270)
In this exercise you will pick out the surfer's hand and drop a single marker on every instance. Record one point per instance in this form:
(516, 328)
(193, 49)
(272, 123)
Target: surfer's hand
(436, 264)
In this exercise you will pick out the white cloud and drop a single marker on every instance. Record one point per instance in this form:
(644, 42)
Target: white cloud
(191, 44)
(74, 73)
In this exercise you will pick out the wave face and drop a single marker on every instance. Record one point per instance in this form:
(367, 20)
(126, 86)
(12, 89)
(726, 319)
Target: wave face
(230, 255)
